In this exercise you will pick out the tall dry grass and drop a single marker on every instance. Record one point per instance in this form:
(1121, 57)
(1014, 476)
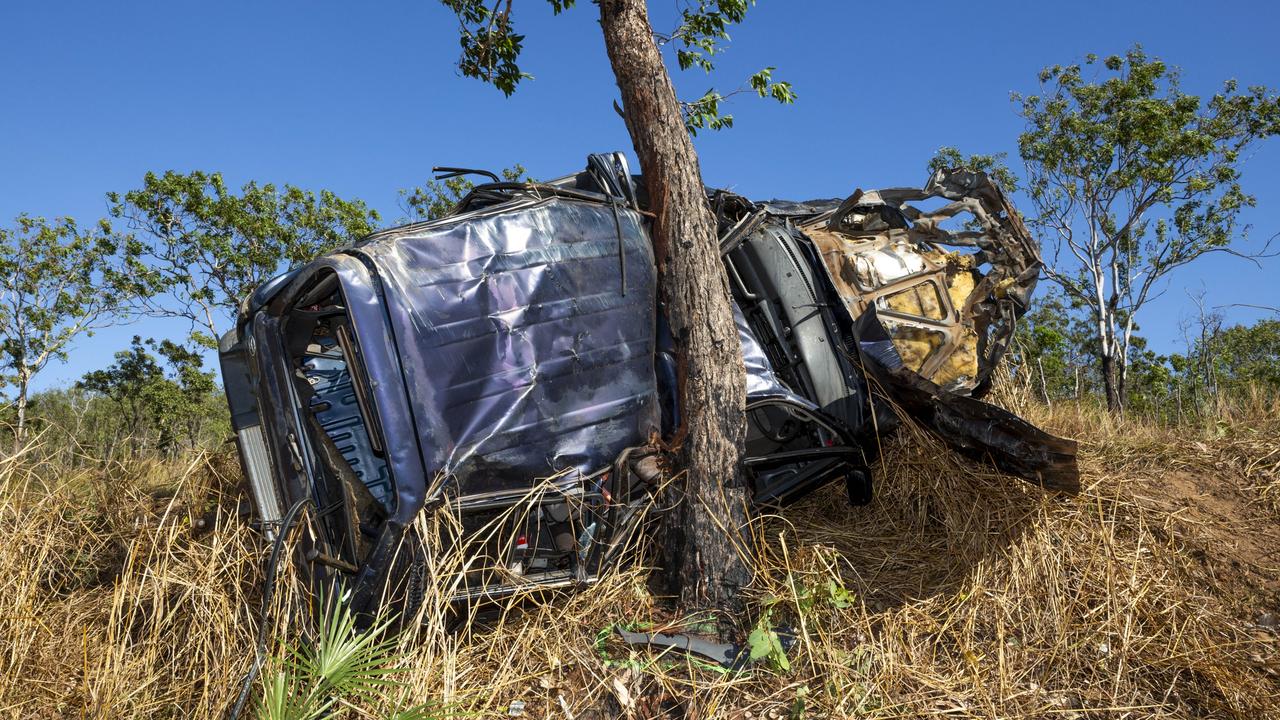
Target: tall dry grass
(969, 595)
(114, 602)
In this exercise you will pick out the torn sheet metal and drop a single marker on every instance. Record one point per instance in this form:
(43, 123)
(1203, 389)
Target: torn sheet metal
(942, 304)
(977, 429)
(777, 280)
(522, 354)
(451, 364)
(951, 313)
(793, 445)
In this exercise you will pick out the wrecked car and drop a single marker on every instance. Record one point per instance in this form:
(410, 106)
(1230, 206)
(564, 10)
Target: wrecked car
(509, 366)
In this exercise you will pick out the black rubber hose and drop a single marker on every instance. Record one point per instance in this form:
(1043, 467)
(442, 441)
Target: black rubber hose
(268, 589)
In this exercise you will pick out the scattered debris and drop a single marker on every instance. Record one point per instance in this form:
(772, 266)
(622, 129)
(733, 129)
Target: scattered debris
(724, 654)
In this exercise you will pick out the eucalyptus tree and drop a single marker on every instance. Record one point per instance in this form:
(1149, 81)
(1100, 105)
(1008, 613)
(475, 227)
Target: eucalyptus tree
(1133, 178)
(58, 282)
(170, 401)
(126, 384)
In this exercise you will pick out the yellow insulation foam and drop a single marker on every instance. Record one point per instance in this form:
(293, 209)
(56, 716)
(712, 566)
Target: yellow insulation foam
(915, 345)
(963, 362)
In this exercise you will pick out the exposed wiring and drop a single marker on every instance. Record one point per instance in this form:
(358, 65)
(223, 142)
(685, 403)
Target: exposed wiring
(268, 589)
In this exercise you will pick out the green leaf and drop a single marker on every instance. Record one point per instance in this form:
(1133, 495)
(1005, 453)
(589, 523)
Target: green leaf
(198, 247)
(838, 595)
(762, 642)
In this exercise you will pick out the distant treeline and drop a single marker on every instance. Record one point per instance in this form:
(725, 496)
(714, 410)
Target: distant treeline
(155, 398)
(1054, 356)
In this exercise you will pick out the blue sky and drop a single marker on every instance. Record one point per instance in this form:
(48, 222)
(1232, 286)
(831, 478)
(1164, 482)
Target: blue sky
(362, 98)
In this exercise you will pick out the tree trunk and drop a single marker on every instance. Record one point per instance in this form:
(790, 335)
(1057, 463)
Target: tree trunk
(1111, 383)
(705, 561)
(21, 427)
(1044, 384)
(1122, 381)
(1108, 354)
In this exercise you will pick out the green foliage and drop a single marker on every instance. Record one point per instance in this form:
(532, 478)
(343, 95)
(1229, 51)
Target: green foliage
(702, 34)
(490, 45)
(491, 50)
(763, 642)
(798, 705)
(838, 596)
(705, 111)
(169, 407)
(831, 593)
(1232, 360)
(344, 668)
(807, 600)
(703, 28)
(1054, 345)
(207, 246)
(438, 197)
(948, 158)
(1132, 178)
(127, 383)
(57, 282)
(1055, 353)
(1151, 380)
(1250, 354)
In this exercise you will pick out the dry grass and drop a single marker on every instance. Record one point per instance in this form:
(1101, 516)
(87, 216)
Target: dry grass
(973, 595)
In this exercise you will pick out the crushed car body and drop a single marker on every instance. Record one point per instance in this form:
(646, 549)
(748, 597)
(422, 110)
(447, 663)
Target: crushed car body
(510, 363)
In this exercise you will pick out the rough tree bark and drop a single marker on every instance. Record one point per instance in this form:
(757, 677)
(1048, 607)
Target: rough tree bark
(704, 561)
(1111, 382)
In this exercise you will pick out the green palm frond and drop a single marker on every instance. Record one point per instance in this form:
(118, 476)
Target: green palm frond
(345, 661)
(282, 700)
(343, 667)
